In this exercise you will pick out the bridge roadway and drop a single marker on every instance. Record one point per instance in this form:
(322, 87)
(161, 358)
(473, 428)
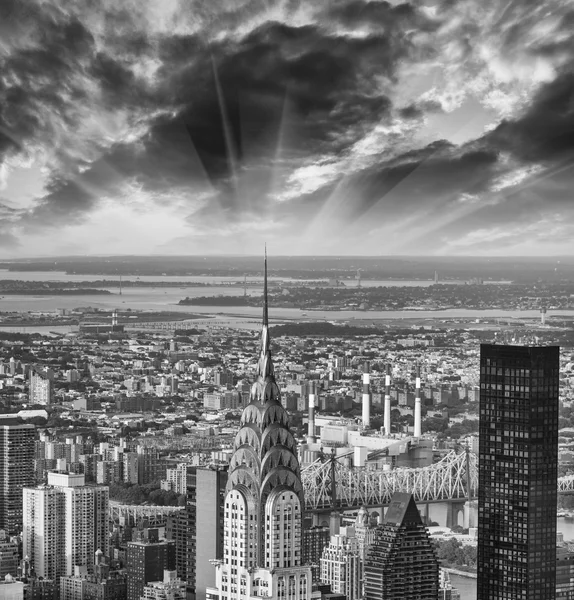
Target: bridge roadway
(444, 481)
(185, 325)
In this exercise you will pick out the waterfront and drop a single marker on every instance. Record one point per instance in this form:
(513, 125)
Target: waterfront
(161, 299)
(222, 281)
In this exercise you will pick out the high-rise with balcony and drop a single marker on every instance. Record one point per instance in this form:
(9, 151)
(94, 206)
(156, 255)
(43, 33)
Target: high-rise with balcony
(264, 499)
(517, 476)
(401, 563)
(65, 522)
(16, 472)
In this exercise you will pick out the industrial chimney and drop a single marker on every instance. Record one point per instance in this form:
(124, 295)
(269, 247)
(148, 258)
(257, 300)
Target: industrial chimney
(418, 403)
(311, 424)
(366, 397)
(387, 414)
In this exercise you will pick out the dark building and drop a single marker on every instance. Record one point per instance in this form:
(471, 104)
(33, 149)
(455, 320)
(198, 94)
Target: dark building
(517, 476)
(17, 451)
(146, 562)
(198, 531)
(564, 574)
(314, 541)
(210, 495)
(401, 563)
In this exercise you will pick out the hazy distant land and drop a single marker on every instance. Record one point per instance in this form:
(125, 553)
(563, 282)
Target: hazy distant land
(522, 269)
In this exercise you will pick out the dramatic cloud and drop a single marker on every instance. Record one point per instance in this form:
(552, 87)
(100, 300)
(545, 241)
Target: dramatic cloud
(335, 126)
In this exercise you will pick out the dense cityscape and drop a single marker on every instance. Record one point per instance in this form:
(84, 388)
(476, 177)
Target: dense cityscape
(150, 455)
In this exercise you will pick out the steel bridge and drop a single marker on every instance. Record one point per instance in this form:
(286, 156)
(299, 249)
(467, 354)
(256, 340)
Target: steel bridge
(155, 515)
(444, 481)
(186, 325)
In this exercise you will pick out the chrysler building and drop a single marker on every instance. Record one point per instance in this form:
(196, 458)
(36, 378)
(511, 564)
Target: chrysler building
(264, 499)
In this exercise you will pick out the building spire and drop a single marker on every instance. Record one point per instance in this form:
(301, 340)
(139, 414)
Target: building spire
(265, 300)
(265, 362)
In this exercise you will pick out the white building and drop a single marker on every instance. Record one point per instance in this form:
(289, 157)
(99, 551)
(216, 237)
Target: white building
(65, 522)
(341, 564)
(178, 479)
(10, 589)
(264, 500)
(41, 387)
(171, 588)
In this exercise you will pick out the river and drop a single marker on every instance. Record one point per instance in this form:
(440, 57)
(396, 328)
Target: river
(161, 299)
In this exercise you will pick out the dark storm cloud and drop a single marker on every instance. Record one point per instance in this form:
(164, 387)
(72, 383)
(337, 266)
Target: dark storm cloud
(35, 76)
(238, 92)
(437, 171)
(546, 131)
(235, 98)
(378, 14)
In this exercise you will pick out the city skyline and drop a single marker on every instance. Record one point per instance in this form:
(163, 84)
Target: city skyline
(428, 127)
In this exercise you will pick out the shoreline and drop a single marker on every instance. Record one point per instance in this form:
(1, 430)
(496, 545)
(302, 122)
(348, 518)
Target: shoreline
(468, 574)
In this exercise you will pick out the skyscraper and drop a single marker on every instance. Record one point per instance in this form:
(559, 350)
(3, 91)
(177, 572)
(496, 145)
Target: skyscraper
(401, 563)
(65, 522)
(341, 564)
(16, 472)
(146, 561)
(264, 498)
(198, 530)
(517, 476)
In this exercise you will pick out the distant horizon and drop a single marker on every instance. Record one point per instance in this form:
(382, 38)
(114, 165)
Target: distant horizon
(299, 256)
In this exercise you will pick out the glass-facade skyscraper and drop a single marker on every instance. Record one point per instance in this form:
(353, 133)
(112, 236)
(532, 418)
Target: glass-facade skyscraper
(517, 479)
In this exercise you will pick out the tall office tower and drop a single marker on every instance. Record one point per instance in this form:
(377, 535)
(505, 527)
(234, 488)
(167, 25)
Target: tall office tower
(146, 561)
(341, 564)
(264, 498)
(16, 472)
(210, 491)
(65, 522)
(401, 563)
(517, 473)
(198, 530)
(41, 387)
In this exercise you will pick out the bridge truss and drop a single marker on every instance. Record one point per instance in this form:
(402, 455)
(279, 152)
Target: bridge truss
(355, 487)
(155, 515)
(446, 480)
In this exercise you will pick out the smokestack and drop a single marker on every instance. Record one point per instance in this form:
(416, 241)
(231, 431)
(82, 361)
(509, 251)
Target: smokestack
(115, 318)
(366, 397)
(387, 419)
(418, 403)
(311, 425)
(543, 315)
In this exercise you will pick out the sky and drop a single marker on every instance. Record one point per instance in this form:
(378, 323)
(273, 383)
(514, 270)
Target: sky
(331, 127)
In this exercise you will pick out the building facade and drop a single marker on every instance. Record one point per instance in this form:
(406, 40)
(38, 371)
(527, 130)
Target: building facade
(341, 564)
(16, 472)
(264, 499)
(41, 387)
(401, 563)
(65, 522)
(517, 478)
(146, 561)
